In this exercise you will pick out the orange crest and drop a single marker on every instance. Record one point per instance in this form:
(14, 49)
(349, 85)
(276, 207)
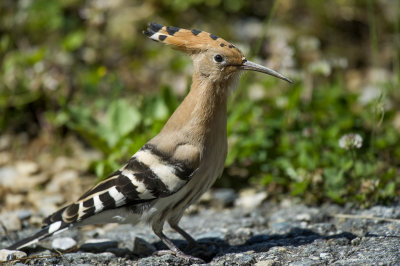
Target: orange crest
(191, 41)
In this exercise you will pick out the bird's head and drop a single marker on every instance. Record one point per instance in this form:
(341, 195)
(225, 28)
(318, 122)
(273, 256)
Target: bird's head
(213, 57)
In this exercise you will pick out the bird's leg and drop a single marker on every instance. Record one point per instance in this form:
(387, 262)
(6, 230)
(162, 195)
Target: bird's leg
(191, 241)
(174, 249)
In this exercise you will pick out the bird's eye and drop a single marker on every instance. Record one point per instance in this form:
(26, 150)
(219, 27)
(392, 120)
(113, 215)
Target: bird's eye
(218, 58)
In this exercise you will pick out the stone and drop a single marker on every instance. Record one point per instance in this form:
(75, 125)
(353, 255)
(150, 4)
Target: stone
(5, 141)
(16, 181)
(119, 252)
(250, 199)
(27, 168)
(10, 220)
(142, 247)
(63, 243)
(24, 214)
(265, 263)
(46, 204)
(6, 254)
(7, 176)
(14, 200)
(98, 245)
(305, 262)
(61, 180)
(325, 256)
(303, 217)
(222, 198)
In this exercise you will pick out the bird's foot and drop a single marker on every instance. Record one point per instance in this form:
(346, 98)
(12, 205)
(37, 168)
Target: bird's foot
(187, 258)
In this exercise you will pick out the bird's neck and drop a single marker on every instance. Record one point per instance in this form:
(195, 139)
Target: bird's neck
(203, 111)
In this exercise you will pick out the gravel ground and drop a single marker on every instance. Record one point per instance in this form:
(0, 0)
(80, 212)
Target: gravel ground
(267, 234)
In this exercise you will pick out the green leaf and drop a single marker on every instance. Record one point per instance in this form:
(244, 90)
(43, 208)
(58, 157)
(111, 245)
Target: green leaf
(121, 119)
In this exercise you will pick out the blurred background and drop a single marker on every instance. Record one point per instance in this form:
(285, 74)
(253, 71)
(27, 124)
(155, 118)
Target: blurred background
(81, 89)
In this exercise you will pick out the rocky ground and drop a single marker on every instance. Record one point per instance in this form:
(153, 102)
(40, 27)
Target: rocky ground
(246, 234)
(231, 228)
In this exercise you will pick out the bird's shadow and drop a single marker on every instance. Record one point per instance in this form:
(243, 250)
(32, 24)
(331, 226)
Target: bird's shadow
(209, 248)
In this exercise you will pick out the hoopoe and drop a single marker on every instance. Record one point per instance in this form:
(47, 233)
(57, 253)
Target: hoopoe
(172, 170)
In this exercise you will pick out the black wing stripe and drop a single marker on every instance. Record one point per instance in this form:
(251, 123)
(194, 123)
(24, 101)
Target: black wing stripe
(107, 200)
(88, 203)
(181, 168)
(148, 175)
(153, 184)
(126, 187)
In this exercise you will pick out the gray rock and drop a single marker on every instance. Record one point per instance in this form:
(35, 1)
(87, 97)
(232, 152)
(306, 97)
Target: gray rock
(325, 256)
(211, 234)
(305, 262)
(10, 220)
(142, 248)
(7, 175)
(19, 264)
(63, 243)
(24, 214)
(244, 259)
(6, 255)
(98, 245)
(265, 263)
(119, 252)
(222, 198)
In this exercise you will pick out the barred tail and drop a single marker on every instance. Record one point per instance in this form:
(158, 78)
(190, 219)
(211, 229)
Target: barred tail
(52, 229)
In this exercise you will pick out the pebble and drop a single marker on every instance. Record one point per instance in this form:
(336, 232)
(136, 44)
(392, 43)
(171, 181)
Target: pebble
(61, 180)
(325, 256)
(24, 214)
(7, 175)
(303, 217)
(10, 220)
(26, 168)
(224, 197)
(6, 254)
(244, 259)
(98, 245)
(63, 243)
(265, 263)
(278, 241)
(211, 235)
(142, 247)
(14, 201)
(250, 199)
(45, 205)
(305, 262)
(16, 181)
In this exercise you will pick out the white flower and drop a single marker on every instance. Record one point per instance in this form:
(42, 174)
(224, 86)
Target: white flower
(321, 67)
(350, 141)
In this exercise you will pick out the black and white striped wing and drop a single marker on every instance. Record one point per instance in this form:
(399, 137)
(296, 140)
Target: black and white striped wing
(148, 175)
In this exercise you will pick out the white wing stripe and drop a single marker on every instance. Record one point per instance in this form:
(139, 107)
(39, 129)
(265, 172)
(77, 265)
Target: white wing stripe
(98, 205)
(164, 172)
(118, 197)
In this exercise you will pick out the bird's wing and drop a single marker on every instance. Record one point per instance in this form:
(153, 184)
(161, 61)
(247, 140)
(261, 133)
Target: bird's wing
(148, 175)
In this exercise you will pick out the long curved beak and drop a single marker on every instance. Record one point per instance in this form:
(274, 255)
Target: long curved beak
(248, 65)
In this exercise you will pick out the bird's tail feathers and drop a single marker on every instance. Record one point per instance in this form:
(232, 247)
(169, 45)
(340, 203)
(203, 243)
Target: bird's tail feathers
(49, 230)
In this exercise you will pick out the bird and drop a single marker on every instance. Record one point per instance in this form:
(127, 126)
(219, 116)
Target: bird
(173, 169)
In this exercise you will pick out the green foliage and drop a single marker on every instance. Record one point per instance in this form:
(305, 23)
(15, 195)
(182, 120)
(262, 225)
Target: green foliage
(294, 146)
(121, 128)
